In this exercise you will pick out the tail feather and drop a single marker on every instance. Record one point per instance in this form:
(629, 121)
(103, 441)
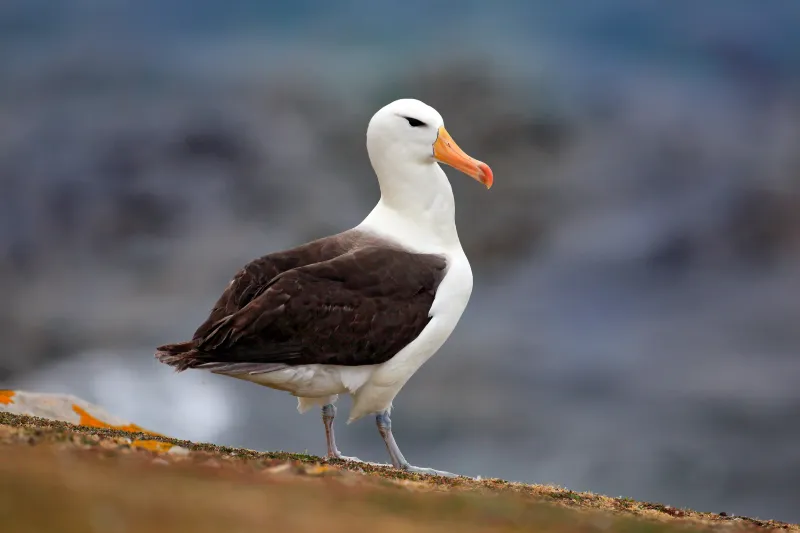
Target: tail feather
(181, 355)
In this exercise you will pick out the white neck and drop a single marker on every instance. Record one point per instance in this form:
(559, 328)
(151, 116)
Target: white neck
(416, 206)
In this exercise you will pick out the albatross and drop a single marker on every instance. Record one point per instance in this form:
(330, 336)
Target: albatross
(361, 311)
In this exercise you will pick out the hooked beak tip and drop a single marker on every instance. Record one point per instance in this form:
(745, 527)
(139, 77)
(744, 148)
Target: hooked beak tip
(485, 175)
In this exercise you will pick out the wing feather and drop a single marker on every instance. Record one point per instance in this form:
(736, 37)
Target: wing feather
(350, 299)
(356, 309)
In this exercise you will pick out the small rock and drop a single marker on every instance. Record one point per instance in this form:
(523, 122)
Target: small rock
(160, 461)
(285, 467)
(179, 451)
(63, 408)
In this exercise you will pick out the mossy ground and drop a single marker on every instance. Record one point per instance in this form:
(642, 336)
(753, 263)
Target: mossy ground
(56, 476)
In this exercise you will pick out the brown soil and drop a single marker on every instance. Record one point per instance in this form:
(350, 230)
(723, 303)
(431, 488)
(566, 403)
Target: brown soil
(57, 477)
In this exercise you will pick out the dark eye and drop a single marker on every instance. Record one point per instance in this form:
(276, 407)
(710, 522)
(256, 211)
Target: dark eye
(414, 123)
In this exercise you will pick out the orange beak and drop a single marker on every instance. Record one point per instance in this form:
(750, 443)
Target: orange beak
(445, 150)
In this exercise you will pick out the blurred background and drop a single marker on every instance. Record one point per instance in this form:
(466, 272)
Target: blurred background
(634, 324)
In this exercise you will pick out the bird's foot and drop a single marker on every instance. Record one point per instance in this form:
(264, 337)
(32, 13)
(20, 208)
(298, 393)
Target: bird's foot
(354, 460)
(398, 461)
(427, 471)
(341, 457)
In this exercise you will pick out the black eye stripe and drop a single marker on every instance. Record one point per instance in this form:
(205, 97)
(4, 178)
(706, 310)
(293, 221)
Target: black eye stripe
(414, 123)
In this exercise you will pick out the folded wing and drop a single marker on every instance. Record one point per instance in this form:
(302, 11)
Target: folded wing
(358, 308)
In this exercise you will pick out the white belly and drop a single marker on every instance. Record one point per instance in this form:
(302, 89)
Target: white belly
(374, 386)
(314, 381)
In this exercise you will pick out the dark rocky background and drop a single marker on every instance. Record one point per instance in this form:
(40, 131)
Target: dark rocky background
(634, 324)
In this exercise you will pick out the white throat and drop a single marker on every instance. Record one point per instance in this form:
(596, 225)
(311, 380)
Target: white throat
(416, 207)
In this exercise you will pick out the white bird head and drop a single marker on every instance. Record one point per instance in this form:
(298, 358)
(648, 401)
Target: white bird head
(409, 132)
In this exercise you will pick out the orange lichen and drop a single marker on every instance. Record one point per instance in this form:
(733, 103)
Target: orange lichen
(319, 470)
(6, 395)
(89, 420)
(153, 445)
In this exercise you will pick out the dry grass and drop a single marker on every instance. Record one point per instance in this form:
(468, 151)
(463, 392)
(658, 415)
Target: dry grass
(59, 477)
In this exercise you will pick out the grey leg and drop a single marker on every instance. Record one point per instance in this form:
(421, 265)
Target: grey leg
(328, 414)
(385, 429)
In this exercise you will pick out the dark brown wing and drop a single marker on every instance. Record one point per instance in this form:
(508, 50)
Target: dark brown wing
(254, 277)
(359, 308)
